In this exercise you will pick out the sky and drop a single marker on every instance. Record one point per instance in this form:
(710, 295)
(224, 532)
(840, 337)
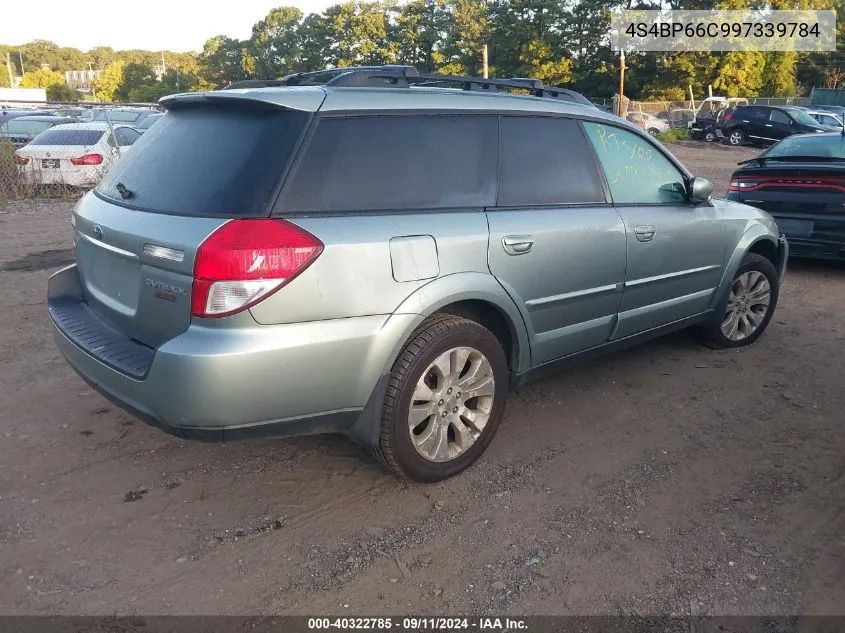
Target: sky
(175, 25)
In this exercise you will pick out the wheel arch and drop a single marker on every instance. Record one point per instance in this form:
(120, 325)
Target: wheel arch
(476, 296)
(756, 239)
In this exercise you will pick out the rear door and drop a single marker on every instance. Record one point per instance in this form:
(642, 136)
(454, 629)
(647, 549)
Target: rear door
(779, 125)
(557, 245)
(676, 249)
(751, 120)
(137, 233)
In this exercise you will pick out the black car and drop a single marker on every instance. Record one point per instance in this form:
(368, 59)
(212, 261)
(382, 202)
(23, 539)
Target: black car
(22, 130)
(800, 181)
(762, 125)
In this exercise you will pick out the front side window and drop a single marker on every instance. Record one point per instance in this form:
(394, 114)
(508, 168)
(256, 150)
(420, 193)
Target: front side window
(400, 162)
(636, 171)
(546, 161)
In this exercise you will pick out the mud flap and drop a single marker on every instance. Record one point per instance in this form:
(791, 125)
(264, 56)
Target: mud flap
(366, 429)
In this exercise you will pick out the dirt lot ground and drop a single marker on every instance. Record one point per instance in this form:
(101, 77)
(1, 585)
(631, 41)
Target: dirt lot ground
(663, 480)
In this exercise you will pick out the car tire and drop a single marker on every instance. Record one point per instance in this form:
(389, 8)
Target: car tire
(653, 131)
(445, 355)
(709, 136)
(742, 318)
(736, 137)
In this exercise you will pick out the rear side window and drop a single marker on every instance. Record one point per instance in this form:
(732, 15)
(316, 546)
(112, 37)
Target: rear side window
(546, 161)
(208, 161)
(751, 113)
(637, 172)
(395, 163)
(68, 137)
(779, 117)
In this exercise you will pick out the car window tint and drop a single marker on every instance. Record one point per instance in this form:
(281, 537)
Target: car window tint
(636, 170)
(394, 163)
(546, 161)
(125, 136)
(779, 116)
(208, 160)
(27, 128)
(752, 114)
(68, 137)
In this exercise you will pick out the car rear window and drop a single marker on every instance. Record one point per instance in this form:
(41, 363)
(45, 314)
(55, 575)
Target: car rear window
(121, 116)
(26, 128)
(830, 145)
(68, 137)
(210, 160)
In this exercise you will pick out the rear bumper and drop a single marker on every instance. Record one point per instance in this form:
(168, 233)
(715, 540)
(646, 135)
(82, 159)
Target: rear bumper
(223, 383)
(826, 240)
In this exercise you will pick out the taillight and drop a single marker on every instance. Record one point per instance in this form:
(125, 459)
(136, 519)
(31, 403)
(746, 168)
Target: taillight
(20, 160)
(88, 159)
(244, 261)
(741, 185)
(729, 116)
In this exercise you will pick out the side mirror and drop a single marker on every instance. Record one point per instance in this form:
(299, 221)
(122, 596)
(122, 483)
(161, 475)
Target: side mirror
(700, 189)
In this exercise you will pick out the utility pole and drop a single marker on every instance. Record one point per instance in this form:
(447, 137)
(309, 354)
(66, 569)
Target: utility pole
(622, 67)
(484, 61)
(20, 56)
(9, 69)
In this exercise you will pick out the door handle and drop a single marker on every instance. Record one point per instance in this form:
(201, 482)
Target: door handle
(517, 244)
(644, 232)
(768, 125)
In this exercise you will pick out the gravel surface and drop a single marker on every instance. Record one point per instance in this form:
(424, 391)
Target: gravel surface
(668, 479)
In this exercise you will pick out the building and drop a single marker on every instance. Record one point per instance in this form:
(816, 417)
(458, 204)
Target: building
(81, 79)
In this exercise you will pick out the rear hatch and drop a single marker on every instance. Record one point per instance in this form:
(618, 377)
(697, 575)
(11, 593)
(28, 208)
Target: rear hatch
(796, 194)
(208, 160)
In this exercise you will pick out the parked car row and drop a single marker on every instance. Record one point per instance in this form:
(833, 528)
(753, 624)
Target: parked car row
(70, 147)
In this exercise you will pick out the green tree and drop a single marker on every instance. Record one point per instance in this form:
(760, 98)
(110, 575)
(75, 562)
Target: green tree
(135, 75)
(541, 65)
(740, 74)
(419, 32)
(275, 43)
(62, 92)
(107, 85)
(781, 74)
(468, 32)
(221, 61)
(358, 34)
(42, 78)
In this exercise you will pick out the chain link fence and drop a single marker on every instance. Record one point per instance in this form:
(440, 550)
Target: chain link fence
(61, 150)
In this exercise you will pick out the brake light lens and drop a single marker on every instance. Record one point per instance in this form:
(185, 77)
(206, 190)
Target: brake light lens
(88, 159)
(245, 261)
(729, 116)
(20, 160)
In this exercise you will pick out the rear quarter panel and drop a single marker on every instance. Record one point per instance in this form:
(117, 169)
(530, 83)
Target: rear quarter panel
(355, 276)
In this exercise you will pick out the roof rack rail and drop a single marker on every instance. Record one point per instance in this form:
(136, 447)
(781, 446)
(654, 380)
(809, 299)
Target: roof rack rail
(399, 76)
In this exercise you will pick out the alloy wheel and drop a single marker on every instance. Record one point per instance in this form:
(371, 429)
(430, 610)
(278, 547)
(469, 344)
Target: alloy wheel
(748, 305)
(451, 404)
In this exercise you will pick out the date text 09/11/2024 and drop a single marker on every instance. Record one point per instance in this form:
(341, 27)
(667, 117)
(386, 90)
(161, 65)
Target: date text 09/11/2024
(419, 624)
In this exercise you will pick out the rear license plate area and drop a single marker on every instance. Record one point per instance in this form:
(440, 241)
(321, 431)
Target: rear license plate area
(50, 163)
(795, 228)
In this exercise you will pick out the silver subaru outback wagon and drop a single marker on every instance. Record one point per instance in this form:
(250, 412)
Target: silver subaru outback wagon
(384, 259)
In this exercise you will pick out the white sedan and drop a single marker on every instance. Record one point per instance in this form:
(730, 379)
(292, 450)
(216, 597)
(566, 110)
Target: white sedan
(649, 123)
(75, 154)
